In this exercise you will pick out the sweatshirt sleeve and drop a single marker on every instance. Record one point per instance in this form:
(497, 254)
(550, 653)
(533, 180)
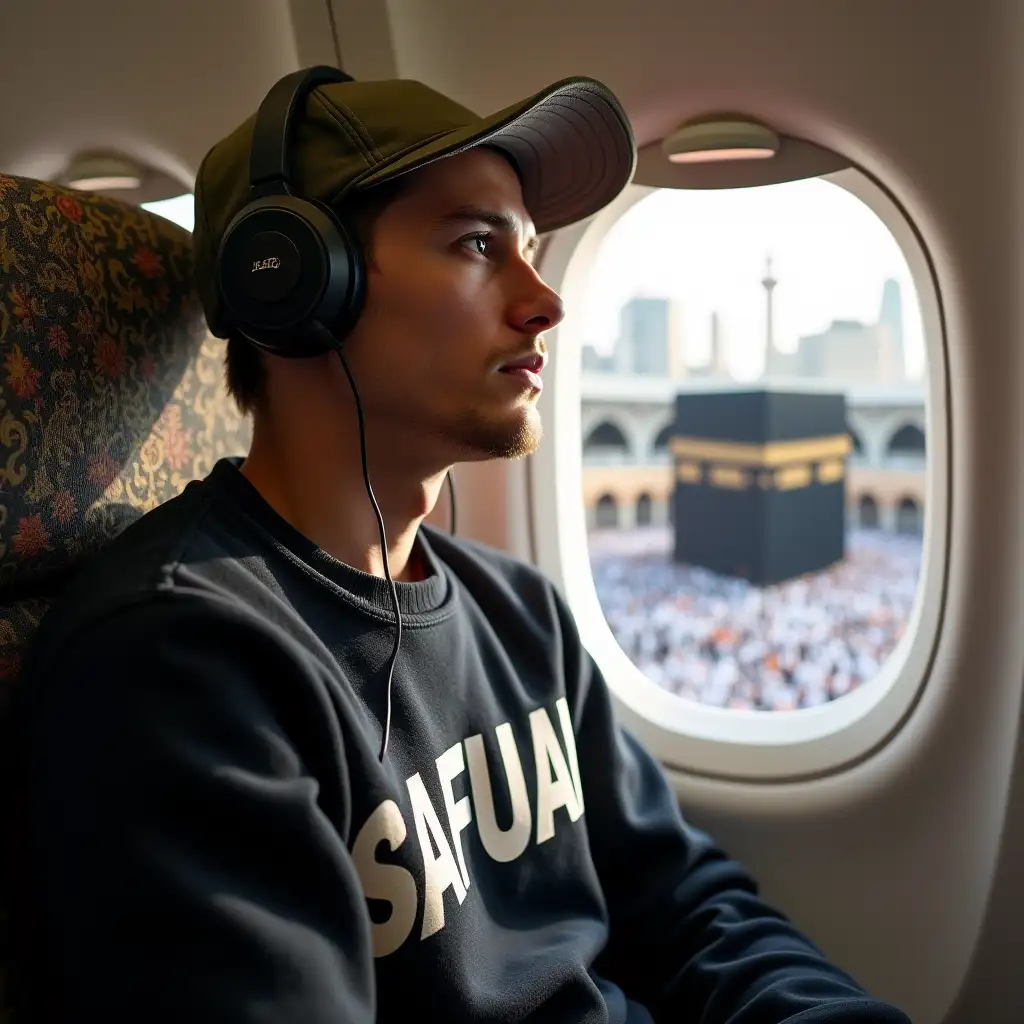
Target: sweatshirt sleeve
(688, 935)
(186, 864)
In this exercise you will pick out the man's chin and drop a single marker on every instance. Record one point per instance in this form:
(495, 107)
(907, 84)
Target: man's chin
(484, 439)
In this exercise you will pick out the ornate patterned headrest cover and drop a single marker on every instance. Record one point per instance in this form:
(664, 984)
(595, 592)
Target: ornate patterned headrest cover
(111, 389)
(112, 396)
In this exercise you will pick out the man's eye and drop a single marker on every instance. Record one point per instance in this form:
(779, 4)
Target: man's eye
(480, 242)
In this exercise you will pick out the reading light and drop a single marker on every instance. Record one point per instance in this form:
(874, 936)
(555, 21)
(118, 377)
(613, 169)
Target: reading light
(102, 173)
(719, 140)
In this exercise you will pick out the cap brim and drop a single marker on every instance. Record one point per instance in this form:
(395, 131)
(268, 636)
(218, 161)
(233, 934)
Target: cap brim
(572, 143)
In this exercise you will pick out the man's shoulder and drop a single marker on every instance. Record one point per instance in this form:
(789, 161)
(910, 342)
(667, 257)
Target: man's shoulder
(170, 549)
(490, 574)
(461, 553)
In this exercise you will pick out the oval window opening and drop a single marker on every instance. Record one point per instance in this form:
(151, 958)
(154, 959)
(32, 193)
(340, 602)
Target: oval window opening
(754, 390)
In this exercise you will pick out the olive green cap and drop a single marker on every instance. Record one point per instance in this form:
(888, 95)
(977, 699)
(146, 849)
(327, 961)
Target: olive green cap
(571, 143)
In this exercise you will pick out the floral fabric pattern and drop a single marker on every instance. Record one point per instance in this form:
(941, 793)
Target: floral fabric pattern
(112, 394)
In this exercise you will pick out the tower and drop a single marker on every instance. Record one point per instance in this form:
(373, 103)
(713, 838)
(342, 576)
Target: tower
(716, 361)
(768, 282)
(891, 316)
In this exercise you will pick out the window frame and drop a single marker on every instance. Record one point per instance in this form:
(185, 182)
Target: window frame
(692, 738)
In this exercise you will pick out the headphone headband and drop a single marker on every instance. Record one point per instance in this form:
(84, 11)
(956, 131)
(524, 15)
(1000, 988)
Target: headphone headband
(270, 159)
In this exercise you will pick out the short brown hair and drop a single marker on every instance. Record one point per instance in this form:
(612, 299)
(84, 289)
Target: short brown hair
(245, 370)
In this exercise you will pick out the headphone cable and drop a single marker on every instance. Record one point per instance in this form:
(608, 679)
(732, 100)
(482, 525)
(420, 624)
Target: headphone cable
(451, 501)
(336, 346)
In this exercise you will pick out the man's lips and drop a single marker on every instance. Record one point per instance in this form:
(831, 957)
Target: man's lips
(534, 362)
(527, 369)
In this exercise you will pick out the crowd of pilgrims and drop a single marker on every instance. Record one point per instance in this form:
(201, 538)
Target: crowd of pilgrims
(724, 642)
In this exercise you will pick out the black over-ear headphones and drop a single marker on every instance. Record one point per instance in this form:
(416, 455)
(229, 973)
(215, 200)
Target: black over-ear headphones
(291, 279)
(286, 267)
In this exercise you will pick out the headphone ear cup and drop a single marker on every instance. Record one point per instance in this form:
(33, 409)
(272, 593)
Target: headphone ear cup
(349, 267)
(285, 263)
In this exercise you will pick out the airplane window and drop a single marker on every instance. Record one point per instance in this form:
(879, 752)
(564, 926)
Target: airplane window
(179, 209)
(754, 389)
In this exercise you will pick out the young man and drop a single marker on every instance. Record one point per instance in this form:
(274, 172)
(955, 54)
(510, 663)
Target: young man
(215, 832)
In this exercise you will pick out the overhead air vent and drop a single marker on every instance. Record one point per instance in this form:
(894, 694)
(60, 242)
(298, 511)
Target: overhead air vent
(102, 173)
(118, 176)
(723, 151)
(719, 139)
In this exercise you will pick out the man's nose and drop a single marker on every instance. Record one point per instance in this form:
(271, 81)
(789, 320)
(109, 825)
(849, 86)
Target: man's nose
(542, 309)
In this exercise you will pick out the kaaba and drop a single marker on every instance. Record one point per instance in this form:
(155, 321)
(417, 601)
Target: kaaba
(760, 480)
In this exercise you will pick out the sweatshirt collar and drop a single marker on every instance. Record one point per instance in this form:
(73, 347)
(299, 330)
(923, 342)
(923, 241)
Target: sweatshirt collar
(423, 596)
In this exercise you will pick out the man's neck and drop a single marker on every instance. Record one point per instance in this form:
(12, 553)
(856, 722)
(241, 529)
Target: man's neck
(316, 484)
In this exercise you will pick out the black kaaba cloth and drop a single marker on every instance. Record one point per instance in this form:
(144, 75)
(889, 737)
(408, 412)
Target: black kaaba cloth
(760, 482)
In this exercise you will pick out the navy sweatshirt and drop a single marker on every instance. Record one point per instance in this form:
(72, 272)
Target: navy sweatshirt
(212, 836)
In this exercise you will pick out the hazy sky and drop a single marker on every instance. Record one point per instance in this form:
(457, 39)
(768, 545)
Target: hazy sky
(831, 255)
(830, 252)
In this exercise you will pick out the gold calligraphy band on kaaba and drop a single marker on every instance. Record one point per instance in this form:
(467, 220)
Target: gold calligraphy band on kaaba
(734, 478)
(831, 471)
(793, 478)
(784, 478)
(729, 477)
(774, 453)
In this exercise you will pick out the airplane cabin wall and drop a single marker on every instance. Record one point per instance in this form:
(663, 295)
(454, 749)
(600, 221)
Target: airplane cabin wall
(889, 865)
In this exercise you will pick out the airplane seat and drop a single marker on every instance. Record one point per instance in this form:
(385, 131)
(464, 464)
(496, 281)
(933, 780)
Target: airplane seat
(112, 398)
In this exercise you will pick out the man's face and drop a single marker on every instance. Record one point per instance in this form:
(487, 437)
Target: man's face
(452, 299)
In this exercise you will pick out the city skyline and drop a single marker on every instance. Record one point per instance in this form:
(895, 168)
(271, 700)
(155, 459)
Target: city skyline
(707, 251)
